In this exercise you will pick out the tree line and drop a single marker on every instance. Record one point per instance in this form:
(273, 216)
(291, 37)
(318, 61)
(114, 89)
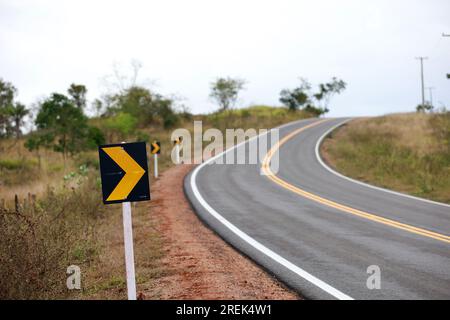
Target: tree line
(61, 122)
(225, 93)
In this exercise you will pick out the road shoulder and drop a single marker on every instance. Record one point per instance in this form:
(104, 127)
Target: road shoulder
(198, 264)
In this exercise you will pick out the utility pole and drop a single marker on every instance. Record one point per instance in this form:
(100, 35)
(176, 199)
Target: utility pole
(421, 74)
(430, 89)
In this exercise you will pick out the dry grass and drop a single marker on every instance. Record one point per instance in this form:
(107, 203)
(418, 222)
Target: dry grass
(68, 225)
(42, 237)
(405, 152)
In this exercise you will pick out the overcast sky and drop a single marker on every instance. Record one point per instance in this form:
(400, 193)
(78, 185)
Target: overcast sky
(184, 45)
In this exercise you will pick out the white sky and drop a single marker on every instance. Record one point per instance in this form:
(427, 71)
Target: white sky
(183, 45)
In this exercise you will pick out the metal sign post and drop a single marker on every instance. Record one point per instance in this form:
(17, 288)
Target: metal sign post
(124, 174)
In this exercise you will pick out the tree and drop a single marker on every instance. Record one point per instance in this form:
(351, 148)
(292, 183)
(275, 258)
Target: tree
(301, 98)
(34, 143)
(98, 107)
(62, 125)
(225, 91)
(77, 92)
(7, 93)
(327, 91)
(123, 78)
(17, 114)
(424, 107)
(145, 106)
(295, 99)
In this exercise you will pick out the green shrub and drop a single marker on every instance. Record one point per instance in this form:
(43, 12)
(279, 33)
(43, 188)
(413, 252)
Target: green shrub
(123, 123)
(89, 159)
(16, 164)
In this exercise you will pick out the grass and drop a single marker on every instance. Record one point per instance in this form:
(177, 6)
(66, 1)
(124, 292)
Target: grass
(59, 220)
(42, 237)
(404, 152)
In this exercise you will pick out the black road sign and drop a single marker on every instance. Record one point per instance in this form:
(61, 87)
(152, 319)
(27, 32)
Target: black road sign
(124, 172)
(155, 147)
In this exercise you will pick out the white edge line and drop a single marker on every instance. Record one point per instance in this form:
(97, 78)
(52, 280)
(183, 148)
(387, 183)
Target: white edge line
(255, 244)
(319, 158)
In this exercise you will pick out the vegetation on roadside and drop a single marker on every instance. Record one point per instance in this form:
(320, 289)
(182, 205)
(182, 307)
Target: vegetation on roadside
(405, 152)
(51, 214)
(302, 98)
(42, 236)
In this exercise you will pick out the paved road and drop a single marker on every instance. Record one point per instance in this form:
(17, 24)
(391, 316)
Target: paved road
(319, 232)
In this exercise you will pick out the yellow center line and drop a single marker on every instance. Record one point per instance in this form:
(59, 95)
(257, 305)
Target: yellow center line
(266, 169)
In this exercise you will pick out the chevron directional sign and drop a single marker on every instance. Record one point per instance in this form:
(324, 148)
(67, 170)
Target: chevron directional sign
(124, 172)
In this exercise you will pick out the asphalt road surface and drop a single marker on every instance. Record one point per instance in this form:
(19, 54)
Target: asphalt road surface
(319, 232)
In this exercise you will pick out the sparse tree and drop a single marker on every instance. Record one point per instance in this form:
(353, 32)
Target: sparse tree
(424, 107)
(62, 125)
(121, 80)
(327, 91)
(12, 113)
(225, 91)
(298, 97)
(98, 107)
(17, 114)
(77, 93)
(7, 93)
(301, 98)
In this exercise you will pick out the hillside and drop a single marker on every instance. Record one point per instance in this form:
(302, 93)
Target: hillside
(51, 207)
(409, 153)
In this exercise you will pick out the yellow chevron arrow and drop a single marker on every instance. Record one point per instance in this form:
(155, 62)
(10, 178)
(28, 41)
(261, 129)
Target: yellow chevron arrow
(133, 173)
(155, 148)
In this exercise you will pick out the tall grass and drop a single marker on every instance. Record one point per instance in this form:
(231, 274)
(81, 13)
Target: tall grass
(405, 152)
(256, 117)
(40, 238)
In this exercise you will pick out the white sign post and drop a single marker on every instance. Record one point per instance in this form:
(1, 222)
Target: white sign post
(132, 164)
(177, 151)
(129, 252)
(155, 157)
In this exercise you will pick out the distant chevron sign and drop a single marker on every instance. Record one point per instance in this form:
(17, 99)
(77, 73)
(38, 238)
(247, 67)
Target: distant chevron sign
(124, 172)
(155, 147)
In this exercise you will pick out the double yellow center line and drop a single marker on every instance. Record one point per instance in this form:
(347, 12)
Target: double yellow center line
(268, 172)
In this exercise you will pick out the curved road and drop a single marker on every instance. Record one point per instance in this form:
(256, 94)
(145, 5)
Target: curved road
(319, 232)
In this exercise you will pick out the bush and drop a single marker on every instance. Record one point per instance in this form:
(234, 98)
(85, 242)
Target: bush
(40, 239)
(124, 123)
(88, 159)
(16, 164)
(95, 138)
(16, 171)
(142, 136)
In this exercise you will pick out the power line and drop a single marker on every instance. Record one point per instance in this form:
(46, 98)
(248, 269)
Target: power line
(422, 78)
